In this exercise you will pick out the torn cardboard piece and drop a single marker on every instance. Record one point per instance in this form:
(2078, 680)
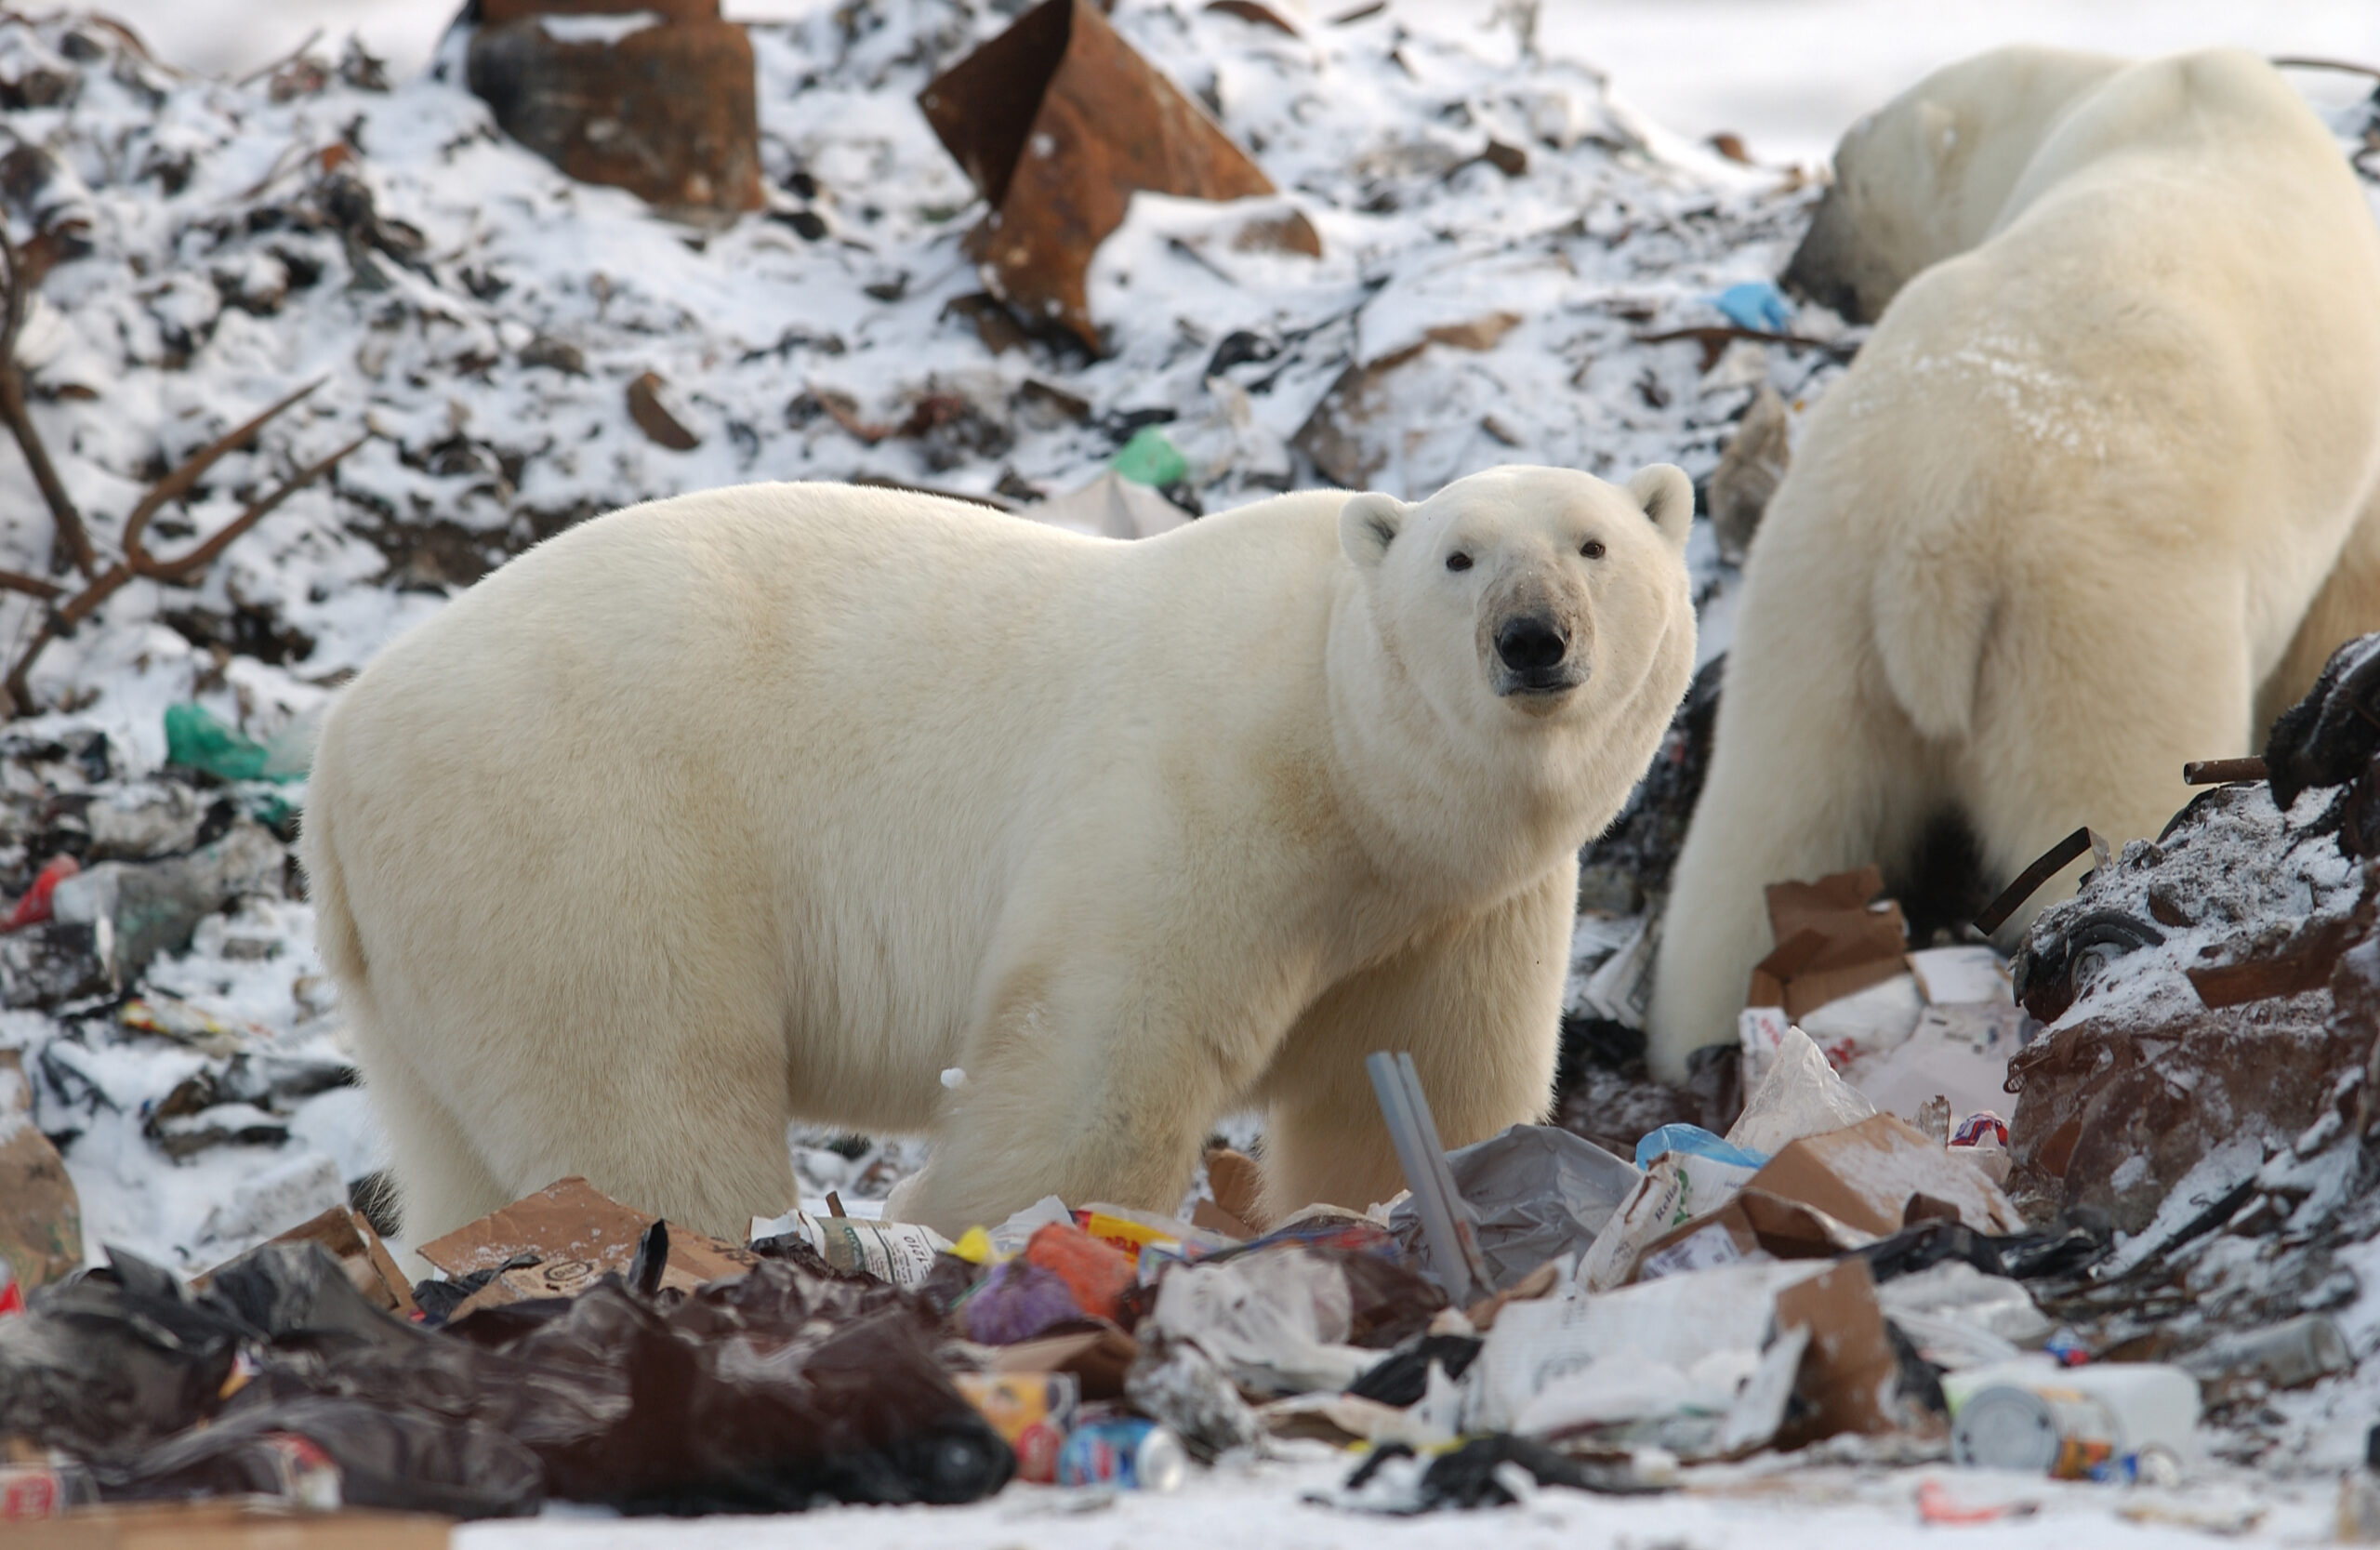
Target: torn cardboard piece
(1058, 122)
(360, 1253)
(41, 1215)
(577, 1234)
(1867, 1176)
(1849, 1375)
(1833, 937)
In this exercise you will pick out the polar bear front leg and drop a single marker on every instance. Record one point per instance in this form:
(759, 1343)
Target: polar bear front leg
(1479, 1008)
(1095, 1072)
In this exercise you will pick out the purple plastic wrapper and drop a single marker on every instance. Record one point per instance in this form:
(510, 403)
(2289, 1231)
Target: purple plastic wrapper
(1017, 1301)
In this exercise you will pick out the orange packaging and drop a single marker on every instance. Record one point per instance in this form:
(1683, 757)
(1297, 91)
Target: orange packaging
(1098, 1274)
(1033, 1411)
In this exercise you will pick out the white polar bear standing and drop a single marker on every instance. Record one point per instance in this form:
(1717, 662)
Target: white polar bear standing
(2105, 469)
(774, 802)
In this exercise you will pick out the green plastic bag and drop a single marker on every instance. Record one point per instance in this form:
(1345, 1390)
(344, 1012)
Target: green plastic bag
(1150, 459)
(195, 740)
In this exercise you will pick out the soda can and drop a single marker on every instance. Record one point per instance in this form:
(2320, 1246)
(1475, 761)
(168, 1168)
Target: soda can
(1033, 1411)
(1980, 1127)
(1129, 1453)
(38, 1490)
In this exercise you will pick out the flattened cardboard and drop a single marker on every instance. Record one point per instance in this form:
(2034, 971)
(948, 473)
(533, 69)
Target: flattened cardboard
(1849, 1372)
(1830, 942)
(230, 1524)
(1865, 1175)
(578, 1233)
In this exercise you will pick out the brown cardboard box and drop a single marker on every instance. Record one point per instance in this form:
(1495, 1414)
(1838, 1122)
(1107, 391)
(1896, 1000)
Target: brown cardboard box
(578, 1233)
(1866, 1175)
(1830, 942)
(228, 1524)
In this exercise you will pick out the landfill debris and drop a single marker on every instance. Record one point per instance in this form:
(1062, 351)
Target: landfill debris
(1834, 937)
(1749, 473)
(1034, 1413)
(1128, 1453)
(1058, 122)
(466, 291)
(657, 100)
(1534, 1193)
(41, 1216)
(2073, 1423)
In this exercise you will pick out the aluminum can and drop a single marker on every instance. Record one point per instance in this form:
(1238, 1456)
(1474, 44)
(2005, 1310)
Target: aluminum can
(1129, 1453)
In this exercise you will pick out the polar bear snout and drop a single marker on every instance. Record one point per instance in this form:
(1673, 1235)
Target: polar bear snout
(1531, 649)
(1533, 662)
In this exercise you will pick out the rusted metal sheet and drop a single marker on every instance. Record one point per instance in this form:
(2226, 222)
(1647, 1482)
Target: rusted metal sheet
(667, 112)
(1059, 122)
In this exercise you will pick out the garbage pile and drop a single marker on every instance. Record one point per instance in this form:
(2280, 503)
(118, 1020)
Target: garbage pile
(2149, 1272)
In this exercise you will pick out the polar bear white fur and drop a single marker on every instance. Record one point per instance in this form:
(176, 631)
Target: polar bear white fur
(776, 802)
(2105, 469)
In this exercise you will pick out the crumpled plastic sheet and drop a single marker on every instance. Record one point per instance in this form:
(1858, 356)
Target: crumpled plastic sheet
(1535, 1192)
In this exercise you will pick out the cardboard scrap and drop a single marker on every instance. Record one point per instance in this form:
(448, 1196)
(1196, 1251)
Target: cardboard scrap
(1831, 940)
(41, 1216)
(360, 1253)
(1849, 1372)
(1755, 1225)
(1866, 1175)
(231, 1523)
(1098, 1358)
(577, 1234)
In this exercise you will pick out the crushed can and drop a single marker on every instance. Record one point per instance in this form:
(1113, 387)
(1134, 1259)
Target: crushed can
(1129, 1453)
(1033, 1411)
(31, 1491)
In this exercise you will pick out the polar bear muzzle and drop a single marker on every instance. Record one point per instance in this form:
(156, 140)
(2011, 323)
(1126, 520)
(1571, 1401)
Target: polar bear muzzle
(1531, 653)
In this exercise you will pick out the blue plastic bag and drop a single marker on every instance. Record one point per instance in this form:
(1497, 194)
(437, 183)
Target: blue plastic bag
(1697, 1142)
(1755, 304)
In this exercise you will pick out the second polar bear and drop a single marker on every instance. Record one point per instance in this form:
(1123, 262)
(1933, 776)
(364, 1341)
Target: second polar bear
(2095, 498)
(779, 802)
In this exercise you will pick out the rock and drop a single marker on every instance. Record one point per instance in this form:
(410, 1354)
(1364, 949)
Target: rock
(667, 112)
(654, 419)
(1749, 473)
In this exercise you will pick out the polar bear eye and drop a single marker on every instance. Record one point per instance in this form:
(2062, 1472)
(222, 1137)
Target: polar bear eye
(1457, 561)
(1591, 549)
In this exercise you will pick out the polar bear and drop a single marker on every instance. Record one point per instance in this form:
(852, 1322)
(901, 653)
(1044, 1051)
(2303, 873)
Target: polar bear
(2096, 497)
(781, 801)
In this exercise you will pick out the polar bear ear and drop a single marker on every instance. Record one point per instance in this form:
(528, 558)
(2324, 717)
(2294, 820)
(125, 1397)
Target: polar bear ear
(1368, 524)
(1667, 496)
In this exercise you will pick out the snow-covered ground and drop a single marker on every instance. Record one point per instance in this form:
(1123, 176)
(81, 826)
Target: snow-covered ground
(1788, 76)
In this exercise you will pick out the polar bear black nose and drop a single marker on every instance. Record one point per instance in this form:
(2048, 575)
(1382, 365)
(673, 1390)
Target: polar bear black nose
(1530, 643)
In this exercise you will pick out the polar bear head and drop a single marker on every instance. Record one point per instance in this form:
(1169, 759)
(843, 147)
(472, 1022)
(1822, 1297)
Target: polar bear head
(1925, 175)
(1526, 596)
